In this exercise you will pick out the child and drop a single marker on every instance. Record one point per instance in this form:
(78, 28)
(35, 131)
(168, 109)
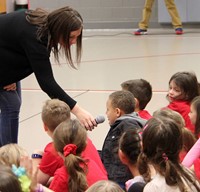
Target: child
(8, 181)
(129, 150)
(105, 186)
(53, 113)
(120, 106)
(166, 112)
(188, 137)
(11, 154)
(194, 115)
(142, 91)
(193, 156)
(76, 174)
(183, 88)
(162, 143)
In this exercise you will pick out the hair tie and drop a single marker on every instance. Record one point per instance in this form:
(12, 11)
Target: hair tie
(165, 157)
(70, 148)
(145, 127)
(140, 134)
(18, 171)
(24, 180)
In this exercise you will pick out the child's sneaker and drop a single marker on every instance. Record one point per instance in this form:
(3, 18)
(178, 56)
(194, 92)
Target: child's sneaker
(140, 32)
(179, 31)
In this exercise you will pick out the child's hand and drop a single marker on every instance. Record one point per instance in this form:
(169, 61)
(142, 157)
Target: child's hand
(26, 162)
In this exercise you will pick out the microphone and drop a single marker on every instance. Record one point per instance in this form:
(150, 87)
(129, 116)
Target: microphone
(100, 119)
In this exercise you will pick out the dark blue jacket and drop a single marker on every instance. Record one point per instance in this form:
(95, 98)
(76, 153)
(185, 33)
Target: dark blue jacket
(117, 171)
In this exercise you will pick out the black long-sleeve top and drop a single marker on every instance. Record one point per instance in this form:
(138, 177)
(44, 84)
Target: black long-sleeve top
(21, 54)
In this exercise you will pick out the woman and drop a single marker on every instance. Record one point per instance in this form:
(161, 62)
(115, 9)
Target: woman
(26, 40)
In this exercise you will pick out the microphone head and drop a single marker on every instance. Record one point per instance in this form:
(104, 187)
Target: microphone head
(100, 119)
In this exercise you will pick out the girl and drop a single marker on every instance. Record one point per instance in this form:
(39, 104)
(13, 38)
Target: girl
(11, 154)
(8, 180)
(193, 156)
(162, 143)
(77, 173)
(188, 137)
(183, 87)
(195, 115)
(129, 150)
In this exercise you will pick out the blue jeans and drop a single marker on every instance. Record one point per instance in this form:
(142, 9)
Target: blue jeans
(10, 102)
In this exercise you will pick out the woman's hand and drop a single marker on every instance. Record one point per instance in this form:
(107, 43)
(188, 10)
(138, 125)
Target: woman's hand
(11, 87)
(85, 118)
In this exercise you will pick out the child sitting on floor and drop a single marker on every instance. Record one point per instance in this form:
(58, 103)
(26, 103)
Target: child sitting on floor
(53, 113)
(77, 173)
(121, 116)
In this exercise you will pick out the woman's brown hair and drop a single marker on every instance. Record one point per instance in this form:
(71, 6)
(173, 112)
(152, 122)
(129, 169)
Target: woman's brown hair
(56, 26)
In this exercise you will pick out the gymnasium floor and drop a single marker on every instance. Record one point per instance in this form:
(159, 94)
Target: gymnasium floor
(109, 58)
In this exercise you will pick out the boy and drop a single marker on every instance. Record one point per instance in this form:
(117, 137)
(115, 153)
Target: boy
(120, 106)
(142, 91)
(55, 112)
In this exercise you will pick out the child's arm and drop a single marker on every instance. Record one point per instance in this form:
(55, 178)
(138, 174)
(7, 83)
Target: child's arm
(27, 176)
(36, 158)
(192, 155)
(42, 178)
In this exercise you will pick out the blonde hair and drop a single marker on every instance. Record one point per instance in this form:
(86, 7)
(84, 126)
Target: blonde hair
(105, 186)
(188, 137)
(11, 154)
(166, 112)
(55, 112)
(8, 180)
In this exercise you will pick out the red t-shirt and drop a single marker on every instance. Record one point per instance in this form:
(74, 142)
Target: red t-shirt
(182, 107)
(197, 168)
(51, 161)
(60, 179)
(91, 152)
(144, 114)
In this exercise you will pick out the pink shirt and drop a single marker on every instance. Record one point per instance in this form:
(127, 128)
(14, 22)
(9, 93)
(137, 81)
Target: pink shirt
(192, 155)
